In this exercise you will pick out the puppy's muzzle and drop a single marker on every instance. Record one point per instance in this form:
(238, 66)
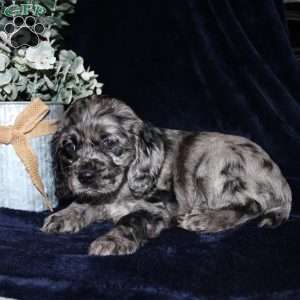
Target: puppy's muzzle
(89, 171)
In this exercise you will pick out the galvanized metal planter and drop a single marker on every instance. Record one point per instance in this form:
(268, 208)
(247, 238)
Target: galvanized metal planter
(16, 188)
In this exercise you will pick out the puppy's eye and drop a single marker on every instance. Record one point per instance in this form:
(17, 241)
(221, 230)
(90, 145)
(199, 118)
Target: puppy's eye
(69, 149)
(109, 142)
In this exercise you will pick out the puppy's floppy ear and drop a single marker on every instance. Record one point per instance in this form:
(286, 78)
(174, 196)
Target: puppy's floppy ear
(62, 191)
(145, 169)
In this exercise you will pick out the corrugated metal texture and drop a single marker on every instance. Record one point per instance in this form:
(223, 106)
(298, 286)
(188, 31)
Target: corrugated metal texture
(16, 188)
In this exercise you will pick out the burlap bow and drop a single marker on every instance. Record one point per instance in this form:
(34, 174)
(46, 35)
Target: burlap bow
(29, 124)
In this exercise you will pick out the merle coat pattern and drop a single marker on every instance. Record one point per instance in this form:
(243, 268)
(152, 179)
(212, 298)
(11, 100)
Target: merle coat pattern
(145, 179)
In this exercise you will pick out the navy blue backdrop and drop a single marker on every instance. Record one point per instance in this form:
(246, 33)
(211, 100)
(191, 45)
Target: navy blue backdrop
(199, 65)
(187, 64)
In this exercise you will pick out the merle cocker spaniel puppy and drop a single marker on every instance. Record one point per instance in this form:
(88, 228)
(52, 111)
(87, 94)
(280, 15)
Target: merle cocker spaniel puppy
(145, 179)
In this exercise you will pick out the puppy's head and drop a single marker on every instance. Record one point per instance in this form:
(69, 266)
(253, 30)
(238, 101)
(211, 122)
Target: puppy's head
(100, 146)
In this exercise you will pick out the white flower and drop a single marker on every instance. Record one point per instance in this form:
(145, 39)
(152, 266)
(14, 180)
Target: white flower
(67, 56)
(77, 65)
(40, 57)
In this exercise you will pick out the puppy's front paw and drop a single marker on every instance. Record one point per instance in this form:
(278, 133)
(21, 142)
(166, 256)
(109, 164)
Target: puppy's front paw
(113, 243)
(60, 222)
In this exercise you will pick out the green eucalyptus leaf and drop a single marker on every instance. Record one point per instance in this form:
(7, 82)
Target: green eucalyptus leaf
(5, 78)
(84, 94)
(49, 83)
(77, 65)
(8, 89)
(14, 74)
(64, 7)
(4, 47)
(4, 62)
(67, 56)
(14, 94)
(86, 76)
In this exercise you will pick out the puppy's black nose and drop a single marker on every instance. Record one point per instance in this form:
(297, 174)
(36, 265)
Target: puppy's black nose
(86, 176)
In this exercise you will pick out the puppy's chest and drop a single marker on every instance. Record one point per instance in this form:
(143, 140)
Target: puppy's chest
(160, 199)
(116, 211)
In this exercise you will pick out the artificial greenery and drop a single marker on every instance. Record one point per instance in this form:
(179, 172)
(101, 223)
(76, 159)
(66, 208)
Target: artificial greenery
(57, 19)
(46, 70)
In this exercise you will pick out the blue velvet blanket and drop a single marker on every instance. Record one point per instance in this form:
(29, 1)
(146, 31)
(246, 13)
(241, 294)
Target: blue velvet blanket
(244, 263)
(187, 64)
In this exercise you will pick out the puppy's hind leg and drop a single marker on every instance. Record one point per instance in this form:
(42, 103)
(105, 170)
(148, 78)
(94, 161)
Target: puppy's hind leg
(214, 220)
